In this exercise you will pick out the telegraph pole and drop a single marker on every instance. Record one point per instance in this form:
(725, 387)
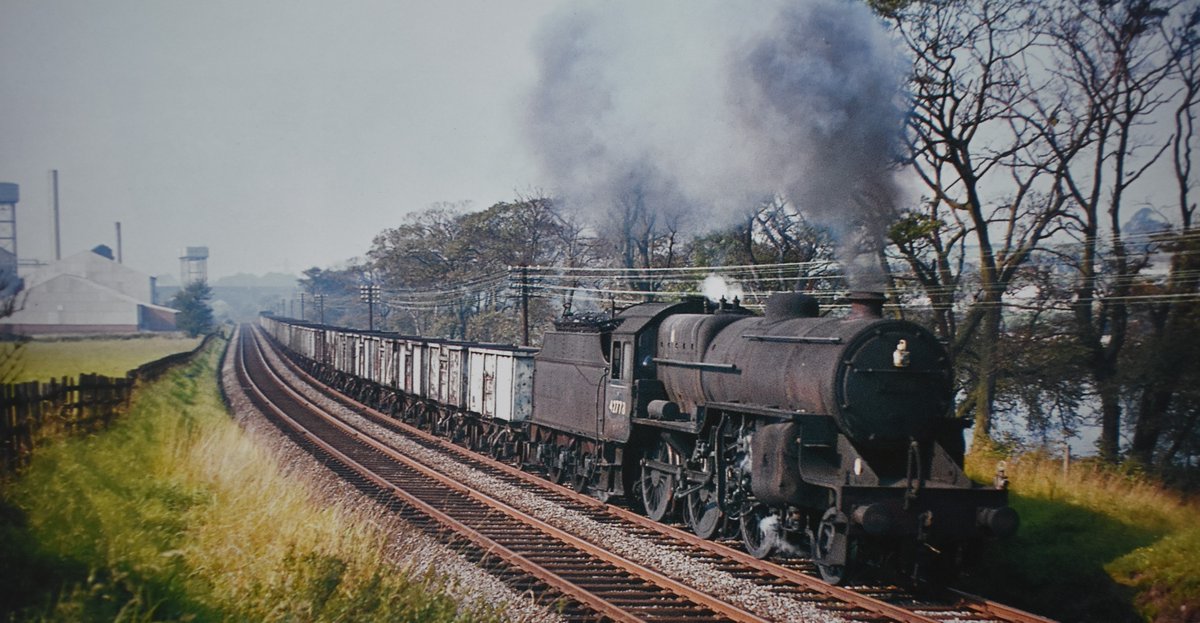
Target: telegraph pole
(524, 305)
(370, 296)
(301, 306)
(321, 305)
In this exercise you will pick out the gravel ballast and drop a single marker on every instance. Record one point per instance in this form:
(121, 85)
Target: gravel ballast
(410, 550)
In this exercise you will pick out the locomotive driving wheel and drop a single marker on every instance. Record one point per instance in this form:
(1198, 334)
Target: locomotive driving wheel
(658, 478)
(831, 546)
(761, 531)
(702, 508)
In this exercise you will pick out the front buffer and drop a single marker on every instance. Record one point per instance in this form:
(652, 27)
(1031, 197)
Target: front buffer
(847, 503)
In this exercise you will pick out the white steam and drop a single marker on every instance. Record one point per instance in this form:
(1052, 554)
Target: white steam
(716, 288)
(771, 525)
(706, 108)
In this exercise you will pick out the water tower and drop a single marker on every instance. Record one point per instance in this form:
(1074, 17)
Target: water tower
(9, 195)
(193, 266)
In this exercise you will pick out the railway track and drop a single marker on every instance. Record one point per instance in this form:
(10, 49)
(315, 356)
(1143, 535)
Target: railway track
(616, 581)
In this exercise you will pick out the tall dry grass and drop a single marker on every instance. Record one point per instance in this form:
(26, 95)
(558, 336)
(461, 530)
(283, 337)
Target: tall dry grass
(1126, 494)
(175, 514)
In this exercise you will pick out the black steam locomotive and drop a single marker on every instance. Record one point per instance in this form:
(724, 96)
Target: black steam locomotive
(831, 436)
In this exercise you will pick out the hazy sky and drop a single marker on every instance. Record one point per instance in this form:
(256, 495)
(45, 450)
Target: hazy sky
(281, 134)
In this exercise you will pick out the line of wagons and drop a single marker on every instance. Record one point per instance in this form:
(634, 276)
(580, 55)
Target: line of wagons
(436, 384)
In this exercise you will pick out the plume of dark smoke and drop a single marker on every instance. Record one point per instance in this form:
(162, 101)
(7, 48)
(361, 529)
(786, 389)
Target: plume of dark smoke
(708, 107)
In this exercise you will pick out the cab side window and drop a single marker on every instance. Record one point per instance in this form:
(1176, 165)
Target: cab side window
(617, 360)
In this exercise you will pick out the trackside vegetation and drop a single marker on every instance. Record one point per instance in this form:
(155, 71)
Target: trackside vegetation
(1096, 543)
(175, 514)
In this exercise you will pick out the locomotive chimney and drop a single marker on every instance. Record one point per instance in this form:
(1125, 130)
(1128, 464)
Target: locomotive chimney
(866, 304)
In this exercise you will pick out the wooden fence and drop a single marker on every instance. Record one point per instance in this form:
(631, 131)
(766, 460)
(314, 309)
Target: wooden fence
(34, 411)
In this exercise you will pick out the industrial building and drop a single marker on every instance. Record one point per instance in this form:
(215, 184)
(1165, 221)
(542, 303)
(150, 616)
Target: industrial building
(87, 293)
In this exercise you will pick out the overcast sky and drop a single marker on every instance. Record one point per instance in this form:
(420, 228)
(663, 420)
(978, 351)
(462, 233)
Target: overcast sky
(285, 134)
(281, 134)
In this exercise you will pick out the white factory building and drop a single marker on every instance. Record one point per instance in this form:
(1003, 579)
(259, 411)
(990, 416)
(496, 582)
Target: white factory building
(87, 293)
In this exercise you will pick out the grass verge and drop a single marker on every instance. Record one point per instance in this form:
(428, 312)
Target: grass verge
(174, 514)
(1095, 544)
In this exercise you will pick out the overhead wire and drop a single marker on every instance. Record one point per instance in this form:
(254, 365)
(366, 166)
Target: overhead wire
(606, 283)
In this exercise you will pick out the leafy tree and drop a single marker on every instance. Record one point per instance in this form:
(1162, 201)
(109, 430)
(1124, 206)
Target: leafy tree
(446, 265)
(333, 295)
(10, 350)
(195, 314)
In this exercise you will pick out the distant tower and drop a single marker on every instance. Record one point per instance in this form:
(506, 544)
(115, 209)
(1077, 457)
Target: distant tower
(9, 195)
(193, 266)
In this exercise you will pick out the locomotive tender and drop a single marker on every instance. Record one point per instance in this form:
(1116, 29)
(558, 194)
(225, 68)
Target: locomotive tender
(833, 436)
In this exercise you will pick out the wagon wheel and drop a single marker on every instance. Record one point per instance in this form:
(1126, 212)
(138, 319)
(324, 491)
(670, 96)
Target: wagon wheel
(459, 430)
(499, 445)
(411, 413)
(477, 437)
(426, 418)
(831, 546)
(761, 532)
(658, 480)
(442, 423)
(582, 477)
(561, 465)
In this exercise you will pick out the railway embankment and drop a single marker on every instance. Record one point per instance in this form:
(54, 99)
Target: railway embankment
(1096, 543)
(175, 512)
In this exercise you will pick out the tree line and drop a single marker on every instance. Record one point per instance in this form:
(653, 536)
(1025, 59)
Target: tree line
(1051, 245)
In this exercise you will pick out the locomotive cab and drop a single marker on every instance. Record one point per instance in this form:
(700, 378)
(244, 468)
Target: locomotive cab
(633, 389)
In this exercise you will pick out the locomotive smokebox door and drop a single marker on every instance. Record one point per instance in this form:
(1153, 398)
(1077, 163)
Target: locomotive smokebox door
(892, 384)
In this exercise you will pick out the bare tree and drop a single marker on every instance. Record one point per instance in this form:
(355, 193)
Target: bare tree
(990, 202)
(772, 233)
(1164, 385)
(645, 225)
(1111, 70)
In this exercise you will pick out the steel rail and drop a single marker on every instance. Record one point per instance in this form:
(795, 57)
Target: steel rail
(986, 606)
(594, 601)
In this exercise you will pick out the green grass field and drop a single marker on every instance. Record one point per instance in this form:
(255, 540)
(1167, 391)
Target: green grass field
(42, 360)
(175, 514)
(1095, 544)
